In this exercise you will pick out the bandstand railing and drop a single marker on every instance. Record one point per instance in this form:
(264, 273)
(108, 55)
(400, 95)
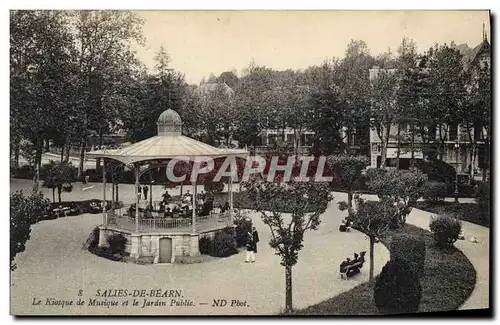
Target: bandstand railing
(160, 223)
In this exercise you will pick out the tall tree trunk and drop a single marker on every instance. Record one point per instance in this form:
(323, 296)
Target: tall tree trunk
(349, 199)
(38, 162)
(117, 196)
(288, 290)
(47, 145)
(412, 162)
(472, 162)
(372, 244)
(62, 153)
(182, 184)
(385, 143)
(66, 156)
(53, 195)
(398, 152)
(17, 149)
(59, 191)
(82, 157)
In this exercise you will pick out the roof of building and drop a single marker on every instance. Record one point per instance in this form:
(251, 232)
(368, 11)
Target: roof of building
(168, 144)
(469, 55)
(206, 88)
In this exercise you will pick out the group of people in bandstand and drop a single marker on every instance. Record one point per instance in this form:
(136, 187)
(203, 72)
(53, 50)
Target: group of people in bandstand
(183, 208)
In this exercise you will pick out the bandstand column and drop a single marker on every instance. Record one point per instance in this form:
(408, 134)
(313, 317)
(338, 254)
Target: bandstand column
(104, 214)
(193, 199)
(230, 194)
(102, 229)
(137, 193)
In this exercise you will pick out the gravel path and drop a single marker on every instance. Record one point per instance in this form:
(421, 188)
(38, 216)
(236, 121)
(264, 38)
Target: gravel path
(55, 266)
(477, 253)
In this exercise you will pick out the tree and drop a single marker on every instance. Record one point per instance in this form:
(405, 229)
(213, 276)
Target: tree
(327, 109)
(41, 78)
(353, 81)
(252, 104)
(383, 110)
(306, 200)
(59, 176)
(347, 170)
(403, 187)
(373, 219)
(447, 90)
(23, 213)
(104, 41)
(229, 78)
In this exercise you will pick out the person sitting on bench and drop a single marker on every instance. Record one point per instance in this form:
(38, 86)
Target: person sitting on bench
(343, 268)
(343, 226)
(354, 267)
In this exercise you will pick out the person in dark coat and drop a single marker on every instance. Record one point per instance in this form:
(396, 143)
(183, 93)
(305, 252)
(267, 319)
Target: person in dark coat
(145, 190)
(252, 240)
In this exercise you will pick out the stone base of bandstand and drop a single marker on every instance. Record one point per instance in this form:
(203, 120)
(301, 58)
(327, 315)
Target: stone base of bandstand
(184, 246)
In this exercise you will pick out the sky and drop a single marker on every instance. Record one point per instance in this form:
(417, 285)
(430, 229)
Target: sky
(201, 43)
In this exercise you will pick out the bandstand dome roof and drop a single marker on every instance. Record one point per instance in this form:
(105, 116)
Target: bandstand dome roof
(168, 144)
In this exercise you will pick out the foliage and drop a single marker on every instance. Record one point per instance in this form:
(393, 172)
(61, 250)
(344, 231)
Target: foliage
(205, 244)
(223, 245)
(116, 243)
(434, 191)
(483, 199)
(243, 227)
(447, 283)
(437, 170)
(410, 249)
(397, 289)
(58, 176)
(403, 187)
(445, 229)
(287, 232)
(343, 205)
(374, 217)
(348, 171)
(24, 211)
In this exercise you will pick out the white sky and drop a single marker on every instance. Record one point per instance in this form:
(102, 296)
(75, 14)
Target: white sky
(205, 42)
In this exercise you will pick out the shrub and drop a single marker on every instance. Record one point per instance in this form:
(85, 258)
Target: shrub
(223, 245)
(243, 226)
(410, 249)
(445, 229)
(205, 245)
(116, 243)
(397, 289)
(343, 205)
(483, 199)
(433, 191)
(93, 240)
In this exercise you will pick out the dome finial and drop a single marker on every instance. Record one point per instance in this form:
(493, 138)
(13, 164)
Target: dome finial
(169, 123)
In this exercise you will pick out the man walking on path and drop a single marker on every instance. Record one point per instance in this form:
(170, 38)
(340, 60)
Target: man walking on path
(145, 191)
(252, 240)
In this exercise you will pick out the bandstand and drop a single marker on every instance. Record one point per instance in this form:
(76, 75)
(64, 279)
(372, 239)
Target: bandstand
(151, 234)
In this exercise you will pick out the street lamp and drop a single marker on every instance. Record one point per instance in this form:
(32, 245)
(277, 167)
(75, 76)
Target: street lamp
(457, 146)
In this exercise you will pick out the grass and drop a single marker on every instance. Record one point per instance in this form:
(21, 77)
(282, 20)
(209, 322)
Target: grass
(463, 211)
(448, 280)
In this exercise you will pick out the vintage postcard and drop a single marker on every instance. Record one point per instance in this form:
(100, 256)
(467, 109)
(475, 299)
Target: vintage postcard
(249, 162)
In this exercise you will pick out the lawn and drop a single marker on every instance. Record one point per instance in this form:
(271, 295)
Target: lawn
(463, 211)
(448, 281)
